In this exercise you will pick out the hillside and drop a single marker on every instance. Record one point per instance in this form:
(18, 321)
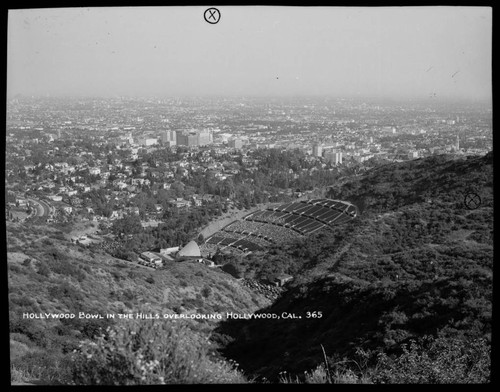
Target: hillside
(418, 265)
(49, 274)
(437, 179)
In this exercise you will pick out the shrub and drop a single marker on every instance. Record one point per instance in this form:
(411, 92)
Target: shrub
(43, 269)
(14, 268)
(18, 376)
(35, 332)
(193, 303)
(128, 294)
(428, 360)
(232, 269)
(18, 349)
(24, 302)
(59, 235)
(437, 361)
(47, 366)
(18, 337)
(206, 291)
(323, 375)
(59, 263)
(150, 352)
(67, 294)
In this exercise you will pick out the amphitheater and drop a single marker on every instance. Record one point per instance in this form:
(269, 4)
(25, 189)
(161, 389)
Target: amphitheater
(278, 224)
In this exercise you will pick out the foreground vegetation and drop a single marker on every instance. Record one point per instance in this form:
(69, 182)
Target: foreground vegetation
(48, 274)
(426, 361)
(149, 352)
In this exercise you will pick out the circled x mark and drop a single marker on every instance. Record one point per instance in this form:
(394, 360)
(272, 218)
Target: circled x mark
(212, 15)
(472, 201)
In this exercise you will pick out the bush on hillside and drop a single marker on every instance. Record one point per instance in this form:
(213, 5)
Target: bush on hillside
(427, 360)
(43, 269)
(150, 352)
(34, 331)
(437, 361)
(232, 269)
(48, 366)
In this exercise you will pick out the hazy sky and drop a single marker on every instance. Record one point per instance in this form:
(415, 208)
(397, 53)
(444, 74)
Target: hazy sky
(165, 51)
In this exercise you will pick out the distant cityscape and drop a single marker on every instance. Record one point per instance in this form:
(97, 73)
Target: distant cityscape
(62, 149)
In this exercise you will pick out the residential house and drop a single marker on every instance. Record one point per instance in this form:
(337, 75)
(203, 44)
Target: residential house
(21, 202)
(61, 206)
(55, 197)
(116, 215)
(197, 201)
(151, 258)
(180, 202)
(282, 279)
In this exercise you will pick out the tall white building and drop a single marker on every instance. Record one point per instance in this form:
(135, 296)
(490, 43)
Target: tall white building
(169, 138)
(205, 136)
(194, 137)
(317, 150)
(334, 157)
(235, 143)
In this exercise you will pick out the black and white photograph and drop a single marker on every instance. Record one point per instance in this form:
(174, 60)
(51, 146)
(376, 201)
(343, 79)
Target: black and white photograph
(223, 194)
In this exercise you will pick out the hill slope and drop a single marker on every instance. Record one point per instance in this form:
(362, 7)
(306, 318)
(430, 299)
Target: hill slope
(48, 274)
(405, 269)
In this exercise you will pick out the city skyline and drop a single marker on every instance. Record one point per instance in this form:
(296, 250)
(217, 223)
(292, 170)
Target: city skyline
(387, 52)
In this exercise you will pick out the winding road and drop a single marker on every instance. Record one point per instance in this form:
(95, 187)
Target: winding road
(42, 209)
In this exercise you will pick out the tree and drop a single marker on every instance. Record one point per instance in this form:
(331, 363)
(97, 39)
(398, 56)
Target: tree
(129, 224)
(44, 269)
(232, 269)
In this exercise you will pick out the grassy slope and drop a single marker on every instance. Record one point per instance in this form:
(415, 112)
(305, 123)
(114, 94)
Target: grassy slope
(61, 277)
